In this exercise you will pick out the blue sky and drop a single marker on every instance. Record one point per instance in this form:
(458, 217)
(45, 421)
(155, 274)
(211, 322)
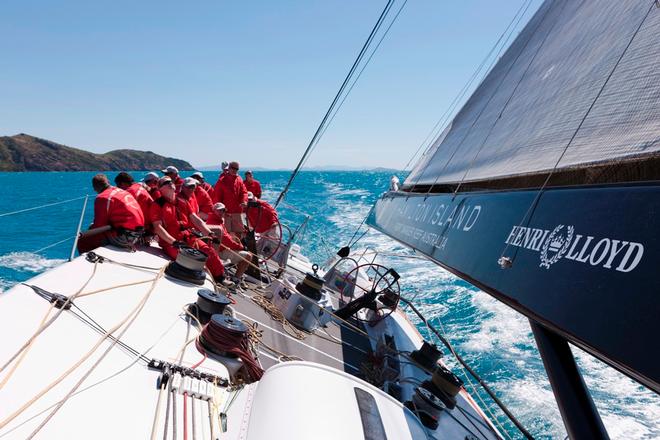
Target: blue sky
(209, 81)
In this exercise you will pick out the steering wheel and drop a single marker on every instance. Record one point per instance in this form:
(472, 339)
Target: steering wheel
(385, 285)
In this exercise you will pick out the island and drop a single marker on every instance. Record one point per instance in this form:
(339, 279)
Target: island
(23, 152)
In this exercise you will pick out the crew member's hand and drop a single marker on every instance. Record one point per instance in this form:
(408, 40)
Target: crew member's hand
(178, 244)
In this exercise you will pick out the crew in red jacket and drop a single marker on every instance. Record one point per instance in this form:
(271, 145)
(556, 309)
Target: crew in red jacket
(125, 181)
(150, 183)
(186, 200)
(230, 247)
(117, 209)
(197, 175)
(230, 190)
(263, 219)
(173, 173)
(203, 199)
(175, 228)
(252, 185)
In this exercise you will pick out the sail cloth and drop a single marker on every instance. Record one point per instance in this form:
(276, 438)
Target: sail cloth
(579, 90)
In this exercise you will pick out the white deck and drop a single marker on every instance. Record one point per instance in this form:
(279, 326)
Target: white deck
(123, 406)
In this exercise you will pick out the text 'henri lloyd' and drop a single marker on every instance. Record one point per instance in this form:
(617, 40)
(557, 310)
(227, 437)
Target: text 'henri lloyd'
(562, 242)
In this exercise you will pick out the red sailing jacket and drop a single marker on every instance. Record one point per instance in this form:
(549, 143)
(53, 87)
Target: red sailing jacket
(228, 240)
(262, 219)
(117, 208)
(143, 198)
(209, 188)
(254, 187)
(174, 221)
(203, 200)
(231, 191)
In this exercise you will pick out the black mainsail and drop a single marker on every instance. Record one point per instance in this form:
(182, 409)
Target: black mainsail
(544, 191)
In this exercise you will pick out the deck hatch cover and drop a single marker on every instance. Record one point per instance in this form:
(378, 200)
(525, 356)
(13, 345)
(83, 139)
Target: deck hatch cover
(372, 425)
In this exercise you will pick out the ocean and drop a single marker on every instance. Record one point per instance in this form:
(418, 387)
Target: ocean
(495, 340)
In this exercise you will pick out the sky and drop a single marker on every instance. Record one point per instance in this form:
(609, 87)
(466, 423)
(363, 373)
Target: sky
(208, 81)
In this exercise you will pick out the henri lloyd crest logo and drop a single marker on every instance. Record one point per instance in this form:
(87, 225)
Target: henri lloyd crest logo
(563, 242)
(556, 245)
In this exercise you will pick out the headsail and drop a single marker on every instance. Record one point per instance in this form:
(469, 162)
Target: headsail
(544, 189)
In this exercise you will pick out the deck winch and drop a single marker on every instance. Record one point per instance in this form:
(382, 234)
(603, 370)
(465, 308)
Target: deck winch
(188, 266)
(210, 303)
(427, 406)
(303, 303)
(225, 338)
(427, 355)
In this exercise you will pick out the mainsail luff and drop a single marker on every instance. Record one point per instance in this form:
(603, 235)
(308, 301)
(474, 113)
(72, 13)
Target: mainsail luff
(525, 112)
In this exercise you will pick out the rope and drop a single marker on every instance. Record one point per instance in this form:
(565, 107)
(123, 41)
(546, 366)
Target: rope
(25, 352)
(49, 322)
(105, 379)
(53, 245)
(316, 137)
(131, 317)
(471, 371)
(41, 206)
(234, 342)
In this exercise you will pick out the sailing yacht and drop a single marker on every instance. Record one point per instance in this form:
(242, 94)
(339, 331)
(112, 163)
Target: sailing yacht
(542, 192)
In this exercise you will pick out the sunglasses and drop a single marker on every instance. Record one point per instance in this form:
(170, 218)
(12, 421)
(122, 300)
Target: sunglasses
(233, 168)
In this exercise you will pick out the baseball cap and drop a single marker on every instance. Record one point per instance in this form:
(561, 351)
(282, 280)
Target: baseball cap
(197, 174)
(164, 181)
(170, 170)
(225, 165)
(218, 206)
(150, 176)
(189, 181)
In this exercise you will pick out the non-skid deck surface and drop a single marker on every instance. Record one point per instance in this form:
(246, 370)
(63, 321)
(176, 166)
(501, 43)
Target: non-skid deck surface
(324, 349)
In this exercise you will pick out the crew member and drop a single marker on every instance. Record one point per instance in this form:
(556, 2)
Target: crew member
(150, 183)
(230, 190)
(118, 218)
(125, 181)
(173, 173)
(230, 248)
(252, 185)
(176, 228)
(203, 198)
(263, 219)
(197, 175)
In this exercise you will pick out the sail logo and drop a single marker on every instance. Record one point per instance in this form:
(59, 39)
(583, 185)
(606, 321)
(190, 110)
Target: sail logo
(556, 246)
(564, 242)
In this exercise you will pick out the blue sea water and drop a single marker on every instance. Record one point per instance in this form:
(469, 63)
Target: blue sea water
(493, 338)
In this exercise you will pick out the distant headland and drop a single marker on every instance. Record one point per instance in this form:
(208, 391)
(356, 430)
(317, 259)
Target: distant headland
(23, 152)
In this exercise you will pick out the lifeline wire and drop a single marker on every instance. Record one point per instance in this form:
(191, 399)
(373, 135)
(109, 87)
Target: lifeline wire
(336, 99)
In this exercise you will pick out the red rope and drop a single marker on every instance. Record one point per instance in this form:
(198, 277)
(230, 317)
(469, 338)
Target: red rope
(185, 416)
(228, 341)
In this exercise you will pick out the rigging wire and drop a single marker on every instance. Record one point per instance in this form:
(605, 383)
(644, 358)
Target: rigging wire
(357, 61)
(465, 365)
(483, 108)
(506, 104)
(532, 207)
(430, 138)
(41, 206)
(364, 66)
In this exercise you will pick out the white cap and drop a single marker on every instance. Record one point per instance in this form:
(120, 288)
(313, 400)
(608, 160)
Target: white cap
(150, 176)
(218, 206)
(170, 170)
(189, 181)
(225, 165)
(250, 195)
(198, 174)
